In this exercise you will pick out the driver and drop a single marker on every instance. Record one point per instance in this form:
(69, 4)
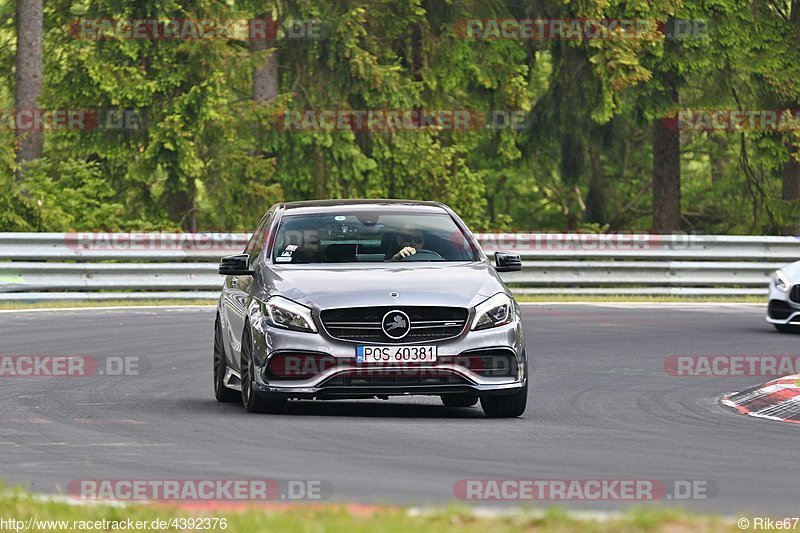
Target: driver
(410, 240)
(309, 250)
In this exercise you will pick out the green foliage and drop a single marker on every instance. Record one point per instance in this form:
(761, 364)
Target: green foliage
(206, 156)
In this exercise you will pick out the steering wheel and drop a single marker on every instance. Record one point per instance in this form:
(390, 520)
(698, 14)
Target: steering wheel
(424, 255)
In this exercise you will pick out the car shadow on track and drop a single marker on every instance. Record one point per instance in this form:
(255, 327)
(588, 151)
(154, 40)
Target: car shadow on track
(365, 409)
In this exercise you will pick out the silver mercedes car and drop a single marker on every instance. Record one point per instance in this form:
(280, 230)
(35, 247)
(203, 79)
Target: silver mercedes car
(368, 299)
(783, 309)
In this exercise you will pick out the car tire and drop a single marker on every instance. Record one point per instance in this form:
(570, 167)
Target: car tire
(221, 392)
(459, 400)
(252, 401)
(787, 328)
(507, 405)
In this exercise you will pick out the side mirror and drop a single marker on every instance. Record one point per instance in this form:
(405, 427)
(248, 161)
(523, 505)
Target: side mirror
(507, 262)
(235, 265)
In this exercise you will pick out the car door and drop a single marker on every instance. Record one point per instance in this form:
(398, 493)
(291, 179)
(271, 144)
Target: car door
(235, 294)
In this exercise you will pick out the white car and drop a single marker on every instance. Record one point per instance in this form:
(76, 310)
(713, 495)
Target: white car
(783, 310)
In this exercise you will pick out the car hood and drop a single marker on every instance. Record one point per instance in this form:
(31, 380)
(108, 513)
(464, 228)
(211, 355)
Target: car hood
(332, 286)
(793, 271)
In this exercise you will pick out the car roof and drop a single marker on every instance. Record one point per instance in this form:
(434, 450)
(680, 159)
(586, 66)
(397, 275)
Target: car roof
(324, 206)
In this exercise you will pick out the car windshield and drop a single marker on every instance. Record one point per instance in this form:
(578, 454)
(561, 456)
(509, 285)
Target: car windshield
(363, 236)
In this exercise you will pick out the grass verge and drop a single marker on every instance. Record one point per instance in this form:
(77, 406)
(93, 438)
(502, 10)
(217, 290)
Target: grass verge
(345, 518)
(541, 298)
(64, 304)
(556, 298)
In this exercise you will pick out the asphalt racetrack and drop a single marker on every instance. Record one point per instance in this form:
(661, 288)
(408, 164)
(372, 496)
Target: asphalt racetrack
(601, 406)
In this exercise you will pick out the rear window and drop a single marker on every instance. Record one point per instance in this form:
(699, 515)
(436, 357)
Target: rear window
(369, 237)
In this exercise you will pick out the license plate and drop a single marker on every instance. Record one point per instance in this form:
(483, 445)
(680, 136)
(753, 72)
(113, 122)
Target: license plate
(396, 354)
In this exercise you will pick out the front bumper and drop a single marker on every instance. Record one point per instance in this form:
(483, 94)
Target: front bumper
(345, 379)
(341, 393)
(781, 309)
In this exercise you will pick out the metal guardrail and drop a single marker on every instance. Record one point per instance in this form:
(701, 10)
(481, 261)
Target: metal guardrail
(97, 266)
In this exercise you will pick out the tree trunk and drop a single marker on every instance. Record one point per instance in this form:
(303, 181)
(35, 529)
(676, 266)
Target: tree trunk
(572, 167)
(29, 74)
(667, 169)
(596, 197)
(790, 189)
(320, 178)
(717, 156)
(416, 51)
(265, 77)
(179, 198)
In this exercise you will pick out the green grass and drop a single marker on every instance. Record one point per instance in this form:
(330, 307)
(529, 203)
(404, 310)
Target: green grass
(549, 298)
(556, 298)
(357, 518)
(61, 304)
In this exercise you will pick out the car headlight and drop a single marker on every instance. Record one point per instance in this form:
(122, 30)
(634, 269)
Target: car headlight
(284, 313)
(781, 280)
(496, 311)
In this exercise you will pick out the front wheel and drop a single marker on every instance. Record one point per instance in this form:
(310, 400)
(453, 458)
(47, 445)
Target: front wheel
(507, 405)
(221, 392)
(250, 398)
(787, 328)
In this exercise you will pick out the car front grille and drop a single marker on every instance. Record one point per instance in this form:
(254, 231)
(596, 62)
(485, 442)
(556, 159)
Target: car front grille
(778, 310)
(363, 324)
(794, 294)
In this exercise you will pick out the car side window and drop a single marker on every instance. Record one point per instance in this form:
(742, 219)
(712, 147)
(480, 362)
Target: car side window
(259, 238)
(248, 249)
